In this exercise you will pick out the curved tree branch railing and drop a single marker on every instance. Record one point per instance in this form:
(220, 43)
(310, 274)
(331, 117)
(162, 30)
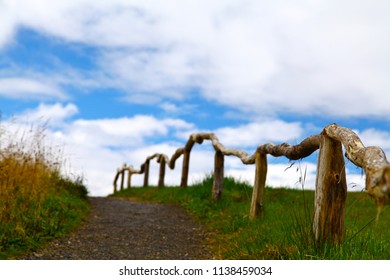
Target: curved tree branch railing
(331, 187)
(372, 159)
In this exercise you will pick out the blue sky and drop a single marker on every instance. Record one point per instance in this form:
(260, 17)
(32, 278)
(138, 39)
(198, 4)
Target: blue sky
(120, 80)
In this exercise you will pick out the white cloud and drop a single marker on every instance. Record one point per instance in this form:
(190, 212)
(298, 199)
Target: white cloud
(7, 24)
(256, 133)
(26, 88)
(323, 60)
(122, 132)
(54, 114)
(258, 56)
(376, 137)
(254, 55)
(266, 58)
(98, 147)
(169, 107)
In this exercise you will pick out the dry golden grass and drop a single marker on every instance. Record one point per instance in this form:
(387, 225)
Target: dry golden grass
(26, 169)
(36, 200)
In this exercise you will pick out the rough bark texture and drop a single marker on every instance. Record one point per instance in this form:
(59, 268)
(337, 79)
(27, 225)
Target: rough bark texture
(302, 150)
(146, 173)
(185, 169)
(121, 174)
(122, 179)
(129, 178)
(258, 188)
(331, 192)
(371, 159)
(161, 177)
(218, 175)
(116, 180)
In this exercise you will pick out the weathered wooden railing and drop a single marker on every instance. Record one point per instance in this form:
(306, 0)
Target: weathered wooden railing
(331, 186)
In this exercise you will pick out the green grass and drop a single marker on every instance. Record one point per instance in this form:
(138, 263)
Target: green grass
(37, 202)
(284, 231)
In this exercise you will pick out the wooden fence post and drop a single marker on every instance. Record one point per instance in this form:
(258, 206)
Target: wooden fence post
(258, 188)
(185, 169)
(129, 173)
(162, 172)
(116, 180)
(146, 174)
(331, 192)
(218, 175)
(122, 179)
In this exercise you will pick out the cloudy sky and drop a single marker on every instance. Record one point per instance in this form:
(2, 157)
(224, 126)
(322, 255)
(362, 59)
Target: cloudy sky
(120, 80)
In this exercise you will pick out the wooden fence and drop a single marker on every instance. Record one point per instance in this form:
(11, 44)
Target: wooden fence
(331, 186)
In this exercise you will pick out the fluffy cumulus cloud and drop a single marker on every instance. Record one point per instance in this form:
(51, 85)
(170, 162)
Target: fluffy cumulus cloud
(375, 137)
(54, 115)
(259, 56)
(256, 133)
(26, 88)
(7, 23)
(123, 132)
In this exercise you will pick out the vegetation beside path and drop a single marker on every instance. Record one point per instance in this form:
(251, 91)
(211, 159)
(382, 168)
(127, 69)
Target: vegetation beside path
(285, 229)
(37, 202)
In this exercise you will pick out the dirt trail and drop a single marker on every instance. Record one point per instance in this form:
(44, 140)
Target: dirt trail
(118, 229)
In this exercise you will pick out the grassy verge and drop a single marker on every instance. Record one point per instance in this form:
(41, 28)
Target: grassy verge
(37, 202)
(283, 232)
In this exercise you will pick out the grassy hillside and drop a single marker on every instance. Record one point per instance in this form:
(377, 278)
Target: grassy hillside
(37, 202)
(283, 232)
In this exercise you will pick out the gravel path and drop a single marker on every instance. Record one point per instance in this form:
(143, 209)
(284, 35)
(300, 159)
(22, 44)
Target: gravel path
(119, 229)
